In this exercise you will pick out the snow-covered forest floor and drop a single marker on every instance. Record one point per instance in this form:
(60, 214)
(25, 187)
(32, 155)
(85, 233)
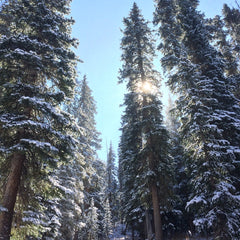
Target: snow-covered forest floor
(117, 233)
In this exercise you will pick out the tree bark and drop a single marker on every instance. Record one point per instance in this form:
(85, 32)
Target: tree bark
(156, 213)
(10, 195)
(148, 224)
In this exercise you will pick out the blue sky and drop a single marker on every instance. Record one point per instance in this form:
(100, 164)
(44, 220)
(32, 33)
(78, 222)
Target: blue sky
(98, 24)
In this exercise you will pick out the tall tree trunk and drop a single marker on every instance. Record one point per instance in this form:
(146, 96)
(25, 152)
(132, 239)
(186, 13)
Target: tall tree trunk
(148, 224)
(156, 213)
(10, 195)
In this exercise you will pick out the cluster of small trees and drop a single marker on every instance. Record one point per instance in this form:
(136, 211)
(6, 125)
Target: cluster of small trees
(190, 173)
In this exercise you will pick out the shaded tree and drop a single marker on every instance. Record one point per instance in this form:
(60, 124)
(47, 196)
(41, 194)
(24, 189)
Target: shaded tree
(232, 23)
(209, 117)
(37, 74)
(178, 217)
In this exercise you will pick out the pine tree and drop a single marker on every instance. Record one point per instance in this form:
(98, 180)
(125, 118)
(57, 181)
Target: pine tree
(144, 162)
(222, 37)
(96, 195)
(37, 74)
(130, 143)
(71, 178)
(89, 139)
(209, 117)
(70, 203)
(111, 183)
(90, 142)
(107, 219)
(178, 217)
(232, 20)
(232, 23)
(85, 172)
(86, 120)
(92, 221)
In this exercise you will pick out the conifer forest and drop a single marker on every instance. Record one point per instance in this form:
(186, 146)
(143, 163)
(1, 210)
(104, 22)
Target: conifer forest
(176, 172)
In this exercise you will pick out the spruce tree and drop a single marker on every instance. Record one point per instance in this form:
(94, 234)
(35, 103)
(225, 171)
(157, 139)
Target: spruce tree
(92, 222)
(69, 179)
(209, 117)
(98, 194)
(108, 226)
(144, 162)
(90, 143)
(37, 74)
(232, 20)
(130, 143)
(86, 119)
(178, 217)
(85, 171)
(111, 183)
(223, 35)
(232, 23)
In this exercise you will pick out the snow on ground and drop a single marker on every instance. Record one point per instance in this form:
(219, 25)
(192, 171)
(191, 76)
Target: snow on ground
(118, 233)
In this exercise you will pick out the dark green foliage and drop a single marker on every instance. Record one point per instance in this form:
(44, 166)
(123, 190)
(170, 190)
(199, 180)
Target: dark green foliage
(37, 73)
(178, 216)
(143, 148)
(82, 179)
(86, 120)
(131, 141)
(232, 23)
(209, 117)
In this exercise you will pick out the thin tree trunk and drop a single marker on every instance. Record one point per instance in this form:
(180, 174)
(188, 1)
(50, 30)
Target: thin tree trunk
(156, 213)
(10, 195)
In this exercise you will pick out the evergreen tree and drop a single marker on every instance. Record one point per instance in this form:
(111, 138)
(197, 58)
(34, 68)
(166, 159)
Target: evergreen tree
(86, 120)
(178, 216)
(107, 219)
(92, 220)
(130, 143)
(90, 141)
(99, 182)
(37, 74)
(144, 162)
(223, 35)
(111, 183)
(209, 117)
(232, 22)
(71, 178)
(85, 172)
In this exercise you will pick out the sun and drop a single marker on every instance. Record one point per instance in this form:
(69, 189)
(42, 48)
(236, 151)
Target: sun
(146, 87)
